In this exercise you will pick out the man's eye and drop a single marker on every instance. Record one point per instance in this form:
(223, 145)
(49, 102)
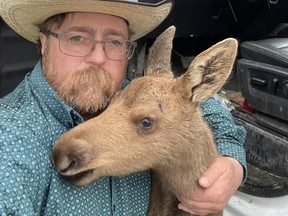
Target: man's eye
(117, 43)
(77, 38)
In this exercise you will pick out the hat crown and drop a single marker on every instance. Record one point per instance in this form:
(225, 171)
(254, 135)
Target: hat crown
(24, 16)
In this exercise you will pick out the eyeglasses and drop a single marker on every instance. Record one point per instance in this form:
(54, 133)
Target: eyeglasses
(81, 45)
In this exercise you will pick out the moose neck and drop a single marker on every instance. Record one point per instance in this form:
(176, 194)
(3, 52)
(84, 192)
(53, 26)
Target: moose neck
(191, 157)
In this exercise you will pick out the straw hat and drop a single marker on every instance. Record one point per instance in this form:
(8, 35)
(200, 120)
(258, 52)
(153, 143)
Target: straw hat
(23, 16)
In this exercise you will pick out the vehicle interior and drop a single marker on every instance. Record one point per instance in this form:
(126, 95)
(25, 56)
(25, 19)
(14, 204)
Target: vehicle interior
(257, 90)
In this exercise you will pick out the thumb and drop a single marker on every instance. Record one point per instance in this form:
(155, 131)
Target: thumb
(210, 176)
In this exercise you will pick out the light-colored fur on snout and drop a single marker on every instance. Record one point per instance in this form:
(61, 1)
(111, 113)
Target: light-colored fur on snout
(155, 124)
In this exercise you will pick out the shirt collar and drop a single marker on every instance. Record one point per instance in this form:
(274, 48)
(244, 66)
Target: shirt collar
(47, 95)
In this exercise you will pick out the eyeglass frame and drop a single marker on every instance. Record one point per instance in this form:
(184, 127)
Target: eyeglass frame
(131, 44)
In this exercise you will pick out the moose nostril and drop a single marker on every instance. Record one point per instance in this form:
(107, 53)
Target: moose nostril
(66, 164)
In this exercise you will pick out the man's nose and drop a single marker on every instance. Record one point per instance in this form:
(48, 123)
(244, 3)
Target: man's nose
(97, 55)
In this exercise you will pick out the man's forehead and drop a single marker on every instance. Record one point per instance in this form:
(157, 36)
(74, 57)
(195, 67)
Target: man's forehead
(110, 24)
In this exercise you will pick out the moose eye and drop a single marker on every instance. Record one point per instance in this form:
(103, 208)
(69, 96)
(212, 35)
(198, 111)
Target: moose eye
(146, 123)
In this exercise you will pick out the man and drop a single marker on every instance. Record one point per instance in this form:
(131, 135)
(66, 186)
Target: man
(80, 41)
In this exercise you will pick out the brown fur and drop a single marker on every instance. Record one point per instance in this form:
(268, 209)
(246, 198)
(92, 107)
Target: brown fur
(155, 124)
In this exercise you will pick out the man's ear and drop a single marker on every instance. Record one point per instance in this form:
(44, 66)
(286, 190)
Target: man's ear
(43, 40)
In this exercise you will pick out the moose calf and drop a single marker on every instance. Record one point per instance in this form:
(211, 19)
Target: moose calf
(156, 124)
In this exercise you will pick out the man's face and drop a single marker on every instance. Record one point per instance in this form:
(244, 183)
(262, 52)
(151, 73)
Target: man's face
(83, 81)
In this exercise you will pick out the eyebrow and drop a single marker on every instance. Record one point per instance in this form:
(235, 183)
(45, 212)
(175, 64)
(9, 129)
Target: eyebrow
(92, 31)
(81, 29)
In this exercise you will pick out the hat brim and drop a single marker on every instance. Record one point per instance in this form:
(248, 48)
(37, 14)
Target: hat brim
(24, 16)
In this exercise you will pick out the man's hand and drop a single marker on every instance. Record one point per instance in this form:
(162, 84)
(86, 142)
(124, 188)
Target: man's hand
(218, 184)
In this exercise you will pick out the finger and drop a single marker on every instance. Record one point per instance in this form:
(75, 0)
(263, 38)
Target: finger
(204, 208)
(183, 208)
(210, 176)
(199, 213)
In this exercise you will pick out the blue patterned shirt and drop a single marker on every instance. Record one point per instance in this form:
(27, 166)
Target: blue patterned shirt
(33, 117)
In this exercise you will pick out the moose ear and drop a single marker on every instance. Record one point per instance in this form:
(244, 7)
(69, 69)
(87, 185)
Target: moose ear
(159, 56)
(209, 71)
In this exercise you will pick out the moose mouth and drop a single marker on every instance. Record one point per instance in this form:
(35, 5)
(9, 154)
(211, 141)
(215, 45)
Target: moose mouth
(78, 177)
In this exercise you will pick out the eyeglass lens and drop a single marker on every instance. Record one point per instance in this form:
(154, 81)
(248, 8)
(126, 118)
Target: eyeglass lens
(81, 45)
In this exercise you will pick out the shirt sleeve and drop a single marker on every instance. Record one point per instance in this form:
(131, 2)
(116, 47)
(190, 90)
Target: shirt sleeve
(230, 138)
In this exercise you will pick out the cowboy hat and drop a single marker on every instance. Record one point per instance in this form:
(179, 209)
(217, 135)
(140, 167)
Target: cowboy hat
(24, 16)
